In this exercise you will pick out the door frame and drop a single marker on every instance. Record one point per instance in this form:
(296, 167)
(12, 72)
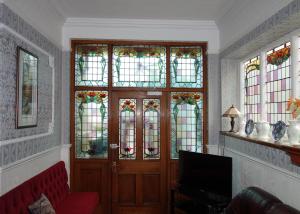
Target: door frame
(116, 95)
(172, 166)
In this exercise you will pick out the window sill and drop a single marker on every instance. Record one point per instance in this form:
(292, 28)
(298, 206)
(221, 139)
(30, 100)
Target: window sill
(292, 151)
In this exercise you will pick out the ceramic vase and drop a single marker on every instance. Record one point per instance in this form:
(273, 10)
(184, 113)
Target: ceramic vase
(262, 130)
(242, 125)
(294, 132)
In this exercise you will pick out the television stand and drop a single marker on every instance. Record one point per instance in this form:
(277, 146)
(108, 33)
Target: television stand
(184, 201)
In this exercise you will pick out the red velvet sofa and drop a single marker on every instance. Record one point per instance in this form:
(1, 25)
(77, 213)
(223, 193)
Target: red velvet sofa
(53, 183)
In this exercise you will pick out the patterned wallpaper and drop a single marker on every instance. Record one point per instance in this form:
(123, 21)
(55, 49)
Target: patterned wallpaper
(281, 23)
(270, 155)
(284, 21)
(8, 43)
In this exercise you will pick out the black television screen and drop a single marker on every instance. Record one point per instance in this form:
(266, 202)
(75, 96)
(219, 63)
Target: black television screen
(205, 172)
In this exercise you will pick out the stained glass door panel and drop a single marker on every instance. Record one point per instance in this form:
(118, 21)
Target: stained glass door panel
(151, 145)
(186, 67)
(127, 130)
(186, 122)
(139, 164)
(91, 65)
(139, 66)
(91, 124)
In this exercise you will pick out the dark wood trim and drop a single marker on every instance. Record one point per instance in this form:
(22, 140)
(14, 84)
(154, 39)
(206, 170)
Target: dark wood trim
(166, 161)
(292, 151)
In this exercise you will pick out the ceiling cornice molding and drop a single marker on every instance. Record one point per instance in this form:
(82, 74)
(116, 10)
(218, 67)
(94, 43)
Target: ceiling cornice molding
(140, 23)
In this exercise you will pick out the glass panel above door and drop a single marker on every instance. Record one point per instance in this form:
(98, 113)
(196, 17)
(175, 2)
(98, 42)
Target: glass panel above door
(91, 65)
(151, 120)
(186, 122)
(127, 128)
(91, 125)
(186, 67)
(139, 66)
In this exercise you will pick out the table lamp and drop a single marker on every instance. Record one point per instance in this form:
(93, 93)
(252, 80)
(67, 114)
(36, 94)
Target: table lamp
(232, 112)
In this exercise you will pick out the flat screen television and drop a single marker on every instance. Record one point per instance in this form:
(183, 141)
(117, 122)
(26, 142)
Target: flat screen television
(204, 172)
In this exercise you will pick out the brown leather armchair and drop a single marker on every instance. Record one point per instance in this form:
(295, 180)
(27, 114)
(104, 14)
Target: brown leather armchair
(254, 200)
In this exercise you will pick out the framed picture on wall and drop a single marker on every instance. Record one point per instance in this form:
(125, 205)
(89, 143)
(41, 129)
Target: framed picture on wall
(27, 89)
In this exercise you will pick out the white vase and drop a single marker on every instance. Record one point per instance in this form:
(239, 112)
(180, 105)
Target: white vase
(294, 132)
(262, 130)
(242, 124)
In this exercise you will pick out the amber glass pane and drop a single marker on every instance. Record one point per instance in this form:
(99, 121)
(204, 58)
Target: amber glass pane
(91, 126)
(186, 67)
(151, 108)
(186, 122)
(91, 65)
(127, 128)
(139, 66)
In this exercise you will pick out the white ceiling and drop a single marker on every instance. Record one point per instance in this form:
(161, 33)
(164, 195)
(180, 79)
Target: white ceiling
(145, 9)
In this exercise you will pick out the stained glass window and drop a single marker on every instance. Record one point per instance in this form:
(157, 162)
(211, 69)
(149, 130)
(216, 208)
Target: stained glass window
(91, 126)
(252, 89)
(127, 128)
(139, 66)
(186, 67)
(91, 67)
(186, 122)
(278, 83)
(151, 108)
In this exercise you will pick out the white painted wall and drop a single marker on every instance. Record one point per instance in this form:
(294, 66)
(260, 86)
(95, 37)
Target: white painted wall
(142, 29)
(42, 15)
(244, 16)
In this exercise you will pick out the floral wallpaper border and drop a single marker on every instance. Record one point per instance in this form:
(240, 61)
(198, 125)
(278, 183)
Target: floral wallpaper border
(16, 151)
(284, 21)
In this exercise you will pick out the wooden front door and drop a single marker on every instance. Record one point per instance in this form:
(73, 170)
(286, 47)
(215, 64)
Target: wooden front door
(138, 150)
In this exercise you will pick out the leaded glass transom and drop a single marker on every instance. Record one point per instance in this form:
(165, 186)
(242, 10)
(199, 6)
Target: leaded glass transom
(252, 89)
(139, 66)
(186, 122)
(91, 67)
(186, 67)
(127, 128)
(278, 83)
(151, 109)
(91, 125)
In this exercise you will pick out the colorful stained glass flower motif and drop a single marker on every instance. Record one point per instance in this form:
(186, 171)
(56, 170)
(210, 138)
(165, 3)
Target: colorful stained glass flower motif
(279, 56)
(139, 66)
(127, 128)
(186, 67)
(252, 89)
(91, 65)
(186, 122)
(278, 84)
(151, 132)
(91, 124)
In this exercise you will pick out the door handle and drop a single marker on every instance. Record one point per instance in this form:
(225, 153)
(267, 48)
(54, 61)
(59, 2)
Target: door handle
(114, 146)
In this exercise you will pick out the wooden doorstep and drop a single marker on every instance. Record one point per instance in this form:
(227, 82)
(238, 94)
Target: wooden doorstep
(292, 150)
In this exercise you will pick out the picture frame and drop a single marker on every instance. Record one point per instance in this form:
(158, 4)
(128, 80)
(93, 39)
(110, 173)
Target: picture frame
(27, 89)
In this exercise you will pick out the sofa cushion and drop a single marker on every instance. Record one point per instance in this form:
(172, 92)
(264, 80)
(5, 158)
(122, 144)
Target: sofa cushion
(251, 200)
(41, 206)
(282, 209)
(78, 203)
